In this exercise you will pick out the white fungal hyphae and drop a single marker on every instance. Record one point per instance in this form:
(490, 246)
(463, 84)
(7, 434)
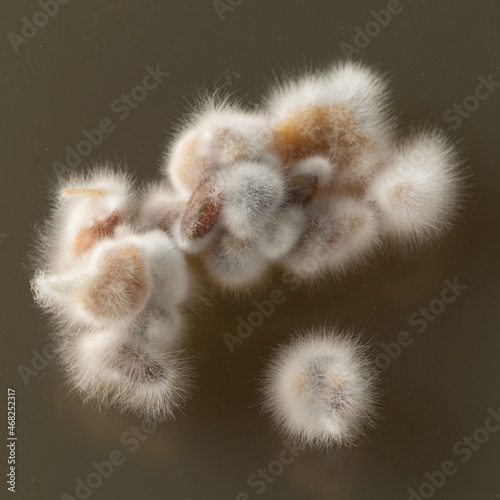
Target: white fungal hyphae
(120, 367)
(121, 320)
(258, 224)
(160, 208)
(312, 182)
(341, 115)
(116, 280)
(112, 283)
(418, 194)
(321, 389)
(340, 234)
(281, 234)
(216, 136)
(236, 265)
(88, 208)
(253, 194)
(319, 167)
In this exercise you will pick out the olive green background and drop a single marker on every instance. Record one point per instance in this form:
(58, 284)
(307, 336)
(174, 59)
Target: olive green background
(438, 390)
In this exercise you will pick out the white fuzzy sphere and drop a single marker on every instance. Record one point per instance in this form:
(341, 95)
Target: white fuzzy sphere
(321, 389)
(253, 193)
(418, 195)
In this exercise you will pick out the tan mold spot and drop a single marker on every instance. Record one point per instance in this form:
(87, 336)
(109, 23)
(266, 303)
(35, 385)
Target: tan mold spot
(299, 382)
(401, 196)
(90, 192)
(87, 237)
(120, 286)
(231, 147)
(190, 164)
(330, 130)
(336, 380)
(355, 224)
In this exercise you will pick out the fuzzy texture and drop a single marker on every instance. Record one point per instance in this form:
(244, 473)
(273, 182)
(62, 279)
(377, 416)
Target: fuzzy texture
(160, 208)
(218, 135)
(314, 181)
(282, 233)
(340, 235)
(116, 280)
(321, 389)
(318, 167)
(418, 195)
(120, 320)
(87, 208)
(341, 114)
(122, 368)
(240, 220)
(253, 194)
(236, 265)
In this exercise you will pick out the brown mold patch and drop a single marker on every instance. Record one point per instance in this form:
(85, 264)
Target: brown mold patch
(330, 130)
(87, 237)
(201, 213)
(120, 286)
(301, 189)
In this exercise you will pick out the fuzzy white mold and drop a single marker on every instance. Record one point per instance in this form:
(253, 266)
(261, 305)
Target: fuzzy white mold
(321, 389)
(236, 265)
(119, 368)
(320, 167)
(89, 207)
(116, 279)
(359, 88)
(216, 136)
(419, 193)
(253, 194)
(341, 115)
(282, 233)
(160, 208)
(339, 235)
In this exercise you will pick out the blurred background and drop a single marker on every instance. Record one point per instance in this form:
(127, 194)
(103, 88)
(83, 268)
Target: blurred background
(66, 67)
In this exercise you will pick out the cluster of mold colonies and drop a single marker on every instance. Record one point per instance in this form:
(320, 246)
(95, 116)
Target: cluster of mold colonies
(313, 182)
(117, 293)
